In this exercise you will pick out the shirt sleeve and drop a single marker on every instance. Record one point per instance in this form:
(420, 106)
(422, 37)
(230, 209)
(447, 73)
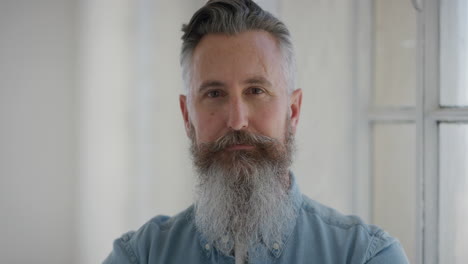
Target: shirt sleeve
(122, 252)
(392, 254)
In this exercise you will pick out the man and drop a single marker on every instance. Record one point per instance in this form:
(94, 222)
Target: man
(241, 112)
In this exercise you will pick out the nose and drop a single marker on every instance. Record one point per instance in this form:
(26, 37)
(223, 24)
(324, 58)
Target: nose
(238, 115)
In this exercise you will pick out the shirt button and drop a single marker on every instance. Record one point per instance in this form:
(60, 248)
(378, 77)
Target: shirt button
(276, 246)
(207, 246)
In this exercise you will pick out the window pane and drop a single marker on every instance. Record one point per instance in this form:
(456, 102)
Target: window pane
(394, 204)
(394, 196)
(453, 207)
(395, 53)
(454, 53)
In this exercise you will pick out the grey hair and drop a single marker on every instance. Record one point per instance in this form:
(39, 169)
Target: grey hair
(232, 17)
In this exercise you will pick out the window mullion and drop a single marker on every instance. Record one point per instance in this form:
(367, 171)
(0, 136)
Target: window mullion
(362, 194)
(420, 136)
(429, 148)
(449, 115)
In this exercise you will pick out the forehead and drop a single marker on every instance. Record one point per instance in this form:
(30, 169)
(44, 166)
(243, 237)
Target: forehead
(231, 58)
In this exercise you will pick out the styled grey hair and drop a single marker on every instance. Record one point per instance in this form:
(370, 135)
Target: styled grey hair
(232, 17)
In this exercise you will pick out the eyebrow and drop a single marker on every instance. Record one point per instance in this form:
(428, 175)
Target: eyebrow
(210, 84)
(259, 80)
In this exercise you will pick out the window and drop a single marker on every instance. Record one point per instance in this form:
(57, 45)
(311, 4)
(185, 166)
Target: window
(412, 132)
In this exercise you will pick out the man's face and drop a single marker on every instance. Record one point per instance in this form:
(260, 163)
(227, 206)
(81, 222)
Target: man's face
(237, 83)
(241, 120)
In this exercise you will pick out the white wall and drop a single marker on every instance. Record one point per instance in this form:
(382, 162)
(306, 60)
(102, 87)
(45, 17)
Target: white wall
(37, 131)
(134, 160)
(105, 74)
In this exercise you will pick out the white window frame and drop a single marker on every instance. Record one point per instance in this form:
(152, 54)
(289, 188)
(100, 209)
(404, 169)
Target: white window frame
(426, 115)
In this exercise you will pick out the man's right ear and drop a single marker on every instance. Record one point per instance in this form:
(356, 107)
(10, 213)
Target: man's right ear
(185, 115)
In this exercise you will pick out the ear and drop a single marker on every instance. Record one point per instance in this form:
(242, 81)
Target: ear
(185, 115)
(295, 108)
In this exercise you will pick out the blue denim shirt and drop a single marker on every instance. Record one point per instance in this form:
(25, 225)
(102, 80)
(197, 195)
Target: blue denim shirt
(319, 235)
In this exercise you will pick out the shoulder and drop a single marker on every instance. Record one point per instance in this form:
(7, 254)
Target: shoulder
(137, 246)
(333, 218)
(349, 232)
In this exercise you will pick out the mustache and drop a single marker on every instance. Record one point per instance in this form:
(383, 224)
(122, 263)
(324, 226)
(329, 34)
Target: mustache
(239, 137)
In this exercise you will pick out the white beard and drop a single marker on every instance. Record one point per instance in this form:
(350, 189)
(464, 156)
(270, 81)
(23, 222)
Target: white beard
(248, 205)
(243, 195)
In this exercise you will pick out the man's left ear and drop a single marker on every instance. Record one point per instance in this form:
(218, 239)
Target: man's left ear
(295, 108)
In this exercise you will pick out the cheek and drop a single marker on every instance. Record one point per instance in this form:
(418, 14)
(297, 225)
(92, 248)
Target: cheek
(271, 121)
(208, 125)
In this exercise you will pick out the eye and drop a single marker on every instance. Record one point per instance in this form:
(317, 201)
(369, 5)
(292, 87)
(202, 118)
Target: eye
(256, 90)
(214, 93)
